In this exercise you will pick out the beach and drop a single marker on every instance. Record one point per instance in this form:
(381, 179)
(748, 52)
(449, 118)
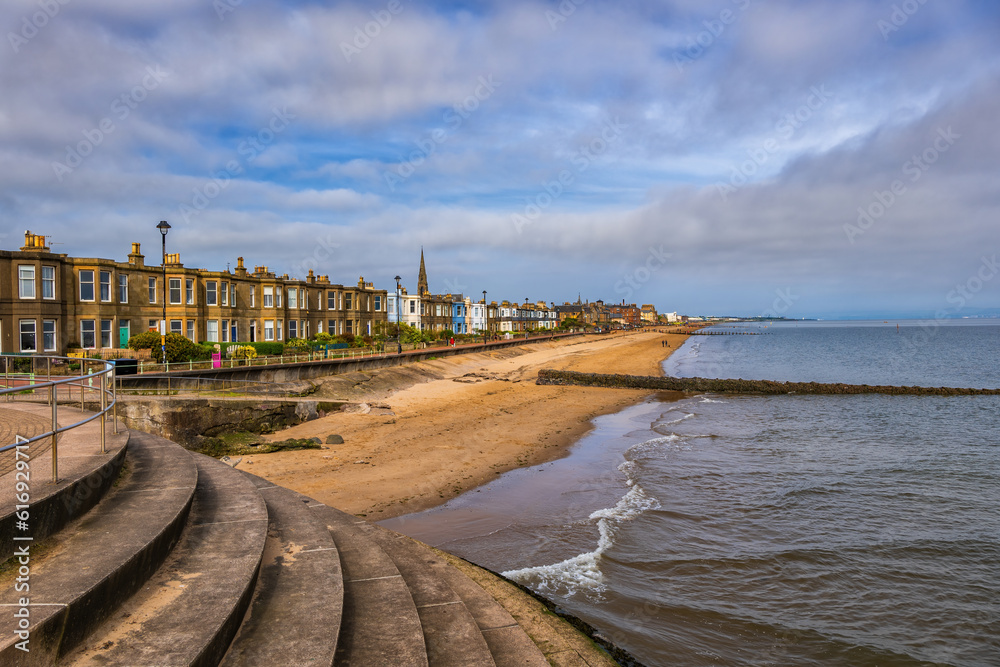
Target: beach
(428, 432)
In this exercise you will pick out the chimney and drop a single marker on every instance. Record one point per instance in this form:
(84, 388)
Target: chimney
(34, 242)
(136, 258)
(241, 270)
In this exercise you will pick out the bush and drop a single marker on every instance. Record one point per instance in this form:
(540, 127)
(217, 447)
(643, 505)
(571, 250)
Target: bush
(298, 345)
(179, 348)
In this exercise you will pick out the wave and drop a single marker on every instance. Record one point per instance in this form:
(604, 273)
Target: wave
(583, 572)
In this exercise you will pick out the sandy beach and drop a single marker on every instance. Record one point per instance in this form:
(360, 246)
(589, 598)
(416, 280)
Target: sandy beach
(439, 428)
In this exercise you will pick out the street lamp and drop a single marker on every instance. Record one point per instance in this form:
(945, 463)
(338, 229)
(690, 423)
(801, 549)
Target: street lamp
(486, 316)
(399, 341)
(164, 227)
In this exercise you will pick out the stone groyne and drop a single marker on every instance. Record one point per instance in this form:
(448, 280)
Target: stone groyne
(705, 385)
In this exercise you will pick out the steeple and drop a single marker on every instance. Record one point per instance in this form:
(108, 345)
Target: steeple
(422, 277)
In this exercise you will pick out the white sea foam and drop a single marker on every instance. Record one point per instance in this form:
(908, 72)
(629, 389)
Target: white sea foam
(583, 572)
(705, 399)
(687, 415)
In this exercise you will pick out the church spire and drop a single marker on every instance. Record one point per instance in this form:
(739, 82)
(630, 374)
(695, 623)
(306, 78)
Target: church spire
(422, 277)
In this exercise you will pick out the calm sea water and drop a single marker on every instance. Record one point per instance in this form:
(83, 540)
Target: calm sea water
(779, 530)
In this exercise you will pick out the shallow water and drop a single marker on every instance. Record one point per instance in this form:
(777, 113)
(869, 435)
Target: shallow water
(784, 530)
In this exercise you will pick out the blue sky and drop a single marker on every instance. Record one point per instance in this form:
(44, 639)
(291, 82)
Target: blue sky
(800, 158)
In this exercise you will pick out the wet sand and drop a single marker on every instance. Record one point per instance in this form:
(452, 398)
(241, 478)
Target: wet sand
(442, 427)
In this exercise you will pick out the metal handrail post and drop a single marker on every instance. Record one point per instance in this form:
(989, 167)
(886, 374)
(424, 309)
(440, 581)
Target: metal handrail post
(55, 438)
(83, 372)
(104, 412)
(114, 401)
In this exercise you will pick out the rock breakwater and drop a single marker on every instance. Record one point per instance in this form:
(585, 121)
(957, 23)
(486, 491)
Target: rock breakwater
(705, 385)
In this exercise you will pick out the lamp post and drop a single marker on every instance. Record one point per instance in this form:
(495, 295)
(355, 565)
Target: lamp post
(399, 315)
(164, 227)
(486, 317)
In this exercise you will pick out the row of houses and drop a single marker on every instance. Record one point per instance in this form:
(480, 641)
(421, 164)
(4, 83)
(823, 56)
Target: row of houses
(51, 303)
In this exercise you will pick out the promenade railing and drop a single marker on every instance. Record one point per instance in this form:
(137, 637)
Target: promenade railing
(51, 379)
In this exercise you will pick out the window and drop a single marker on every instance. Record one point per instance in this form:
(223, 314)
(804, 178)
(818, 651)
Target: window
(49, 335)
(26, 282)
(268, 299)
(211, 294)
(88, 339)
(225, 295)
(277, 297)
(378, 303)
(293, 300)
(253, 298)
(212, 331)
(189, 291)
(331, 327)
(293, 329)
(87, 289)
(232, 296)
(122, 288)
(331, 300)
(225, 329)
(154, 325)
(190, 331)
(175, 290)
(268, 328)
(106, 331)
(177, 326)
(413, 306)
(28, 334)
(347, 301)
(278, 329)
(48, 282)
(350, 326)
(152, 290)
(105, 286)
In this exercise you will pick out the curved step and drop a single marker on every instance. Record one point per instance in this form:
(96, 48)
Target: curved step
(87, 570)
(452, 637)
(300, 589)
(85, 474)
(380, 625)
(190, 610)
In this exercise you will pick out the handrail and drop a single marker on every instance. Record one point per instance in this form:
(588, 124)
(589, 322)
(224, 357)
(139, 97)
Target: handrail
(84, 381)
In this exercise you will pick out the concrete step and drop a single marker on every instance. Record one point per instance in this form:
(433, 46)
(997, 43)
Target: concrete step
(509, 644)
(85, 474)
(452, 637)
(380, 623)
(190, 610)
(294, 618)
(81, 575)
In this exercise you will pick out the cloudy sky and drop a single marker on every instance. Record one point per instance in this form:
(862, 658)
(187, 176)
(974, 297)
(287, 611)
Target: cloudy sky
(802, 158)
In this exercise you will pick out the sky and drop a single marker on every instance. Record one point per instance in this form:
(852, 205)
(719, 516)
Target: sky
(824, 158)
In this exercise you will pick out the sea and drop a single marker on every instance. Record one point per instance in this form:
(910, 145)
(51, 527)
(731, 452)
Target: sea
(771, 530)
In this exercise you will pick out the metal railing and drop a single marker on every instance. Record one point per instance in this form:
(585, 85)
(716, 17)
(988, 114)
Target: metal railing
(22, 382)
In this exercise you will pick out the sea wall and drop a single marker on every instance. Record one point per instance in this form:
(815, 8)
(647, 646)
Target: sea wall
(549, 376)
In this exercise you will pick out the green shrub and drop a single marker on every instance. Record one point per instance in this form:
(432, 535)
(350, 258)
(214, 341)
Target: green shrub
(179, 348)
